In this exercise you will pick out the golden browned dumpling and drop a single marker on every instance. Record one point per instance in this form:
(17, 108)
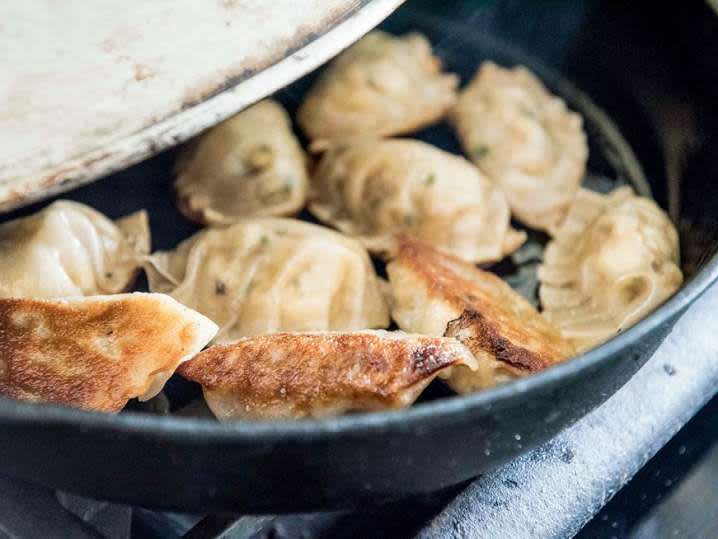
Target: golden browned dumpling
(374, 188)
(525, 139)
(95, 352)
(614, 259)
(69, 249)
(383, 85)
(438, 294)
(268, 274)
(294, 375)
(249, 165)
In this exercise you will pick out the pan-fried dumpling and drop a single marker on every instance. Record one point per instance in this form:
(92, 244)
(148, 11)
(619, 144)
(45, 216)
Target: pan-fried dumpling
(249, 165)
(95, 352)
(374, 188)
(69, 249)
(294, 375)
(383, 85)
(438, 294)
(614, 259)
(525, 139)
(266, 275)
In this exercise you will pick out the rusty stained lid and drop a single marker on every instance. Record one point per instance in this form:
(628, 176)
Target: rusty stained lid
(86, 89)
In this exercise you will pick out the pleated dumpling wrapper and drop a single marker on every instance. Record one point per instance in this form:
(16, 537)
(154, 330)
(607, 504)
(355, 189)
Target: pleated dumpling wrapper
(269, 274)
(438, 294)
(382, 85)
(249, 165)
(614, 259)
(69, 249)
(373, 189)
(525, 139)
(95, 352)
(296, 375)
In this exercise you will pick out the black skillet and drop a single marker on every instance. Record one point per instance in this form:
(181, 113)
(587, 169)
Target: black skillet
(198, 464)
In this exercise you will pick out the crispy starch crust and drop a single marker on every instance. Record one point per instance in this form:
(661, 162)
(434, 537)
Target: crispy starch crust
(436, 293)
(292, 375)
(97, 352)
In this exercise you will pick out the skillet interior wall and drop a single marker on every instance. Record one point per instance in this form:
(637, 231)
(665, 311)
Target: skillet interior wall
(661, 60)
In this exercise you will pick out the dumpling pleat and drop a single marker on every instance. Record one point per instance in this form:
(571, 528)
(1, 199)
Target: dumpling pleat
(612, 261)
(373, 189)
(266, 275)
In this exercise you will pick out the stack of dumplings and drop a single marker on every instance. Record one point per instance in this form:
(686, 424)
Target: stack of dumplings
(295, 313)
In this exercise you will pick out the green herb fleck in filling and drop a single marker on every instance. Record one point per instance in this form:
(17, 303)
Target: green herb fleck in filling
(249, 287)
(409, 219)
(480, 151)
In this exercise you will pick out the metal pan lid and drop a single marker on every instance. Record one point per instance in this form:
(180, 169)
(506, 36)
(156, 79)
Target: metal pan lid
(89, 90)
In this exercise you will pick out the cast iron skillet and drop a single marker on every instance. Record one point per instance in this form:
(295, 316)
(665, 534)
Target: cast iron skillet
(197, 464)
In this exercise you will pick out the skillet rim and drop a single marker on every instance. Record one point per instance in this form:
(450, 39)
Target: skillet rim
(187, 430)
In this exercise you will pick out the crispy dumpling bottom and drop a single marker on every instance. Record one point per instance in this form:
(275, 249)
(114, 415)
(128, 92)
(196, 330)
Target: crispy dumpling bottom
(319, 374)
(95, 352)
(438, 294)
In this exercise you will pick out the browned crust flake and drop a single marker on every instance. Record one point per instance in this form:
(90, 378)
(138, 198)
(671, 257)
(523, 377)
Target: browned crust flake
(479, 334)
(91, 353)
(302, 374)
(493, 319)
